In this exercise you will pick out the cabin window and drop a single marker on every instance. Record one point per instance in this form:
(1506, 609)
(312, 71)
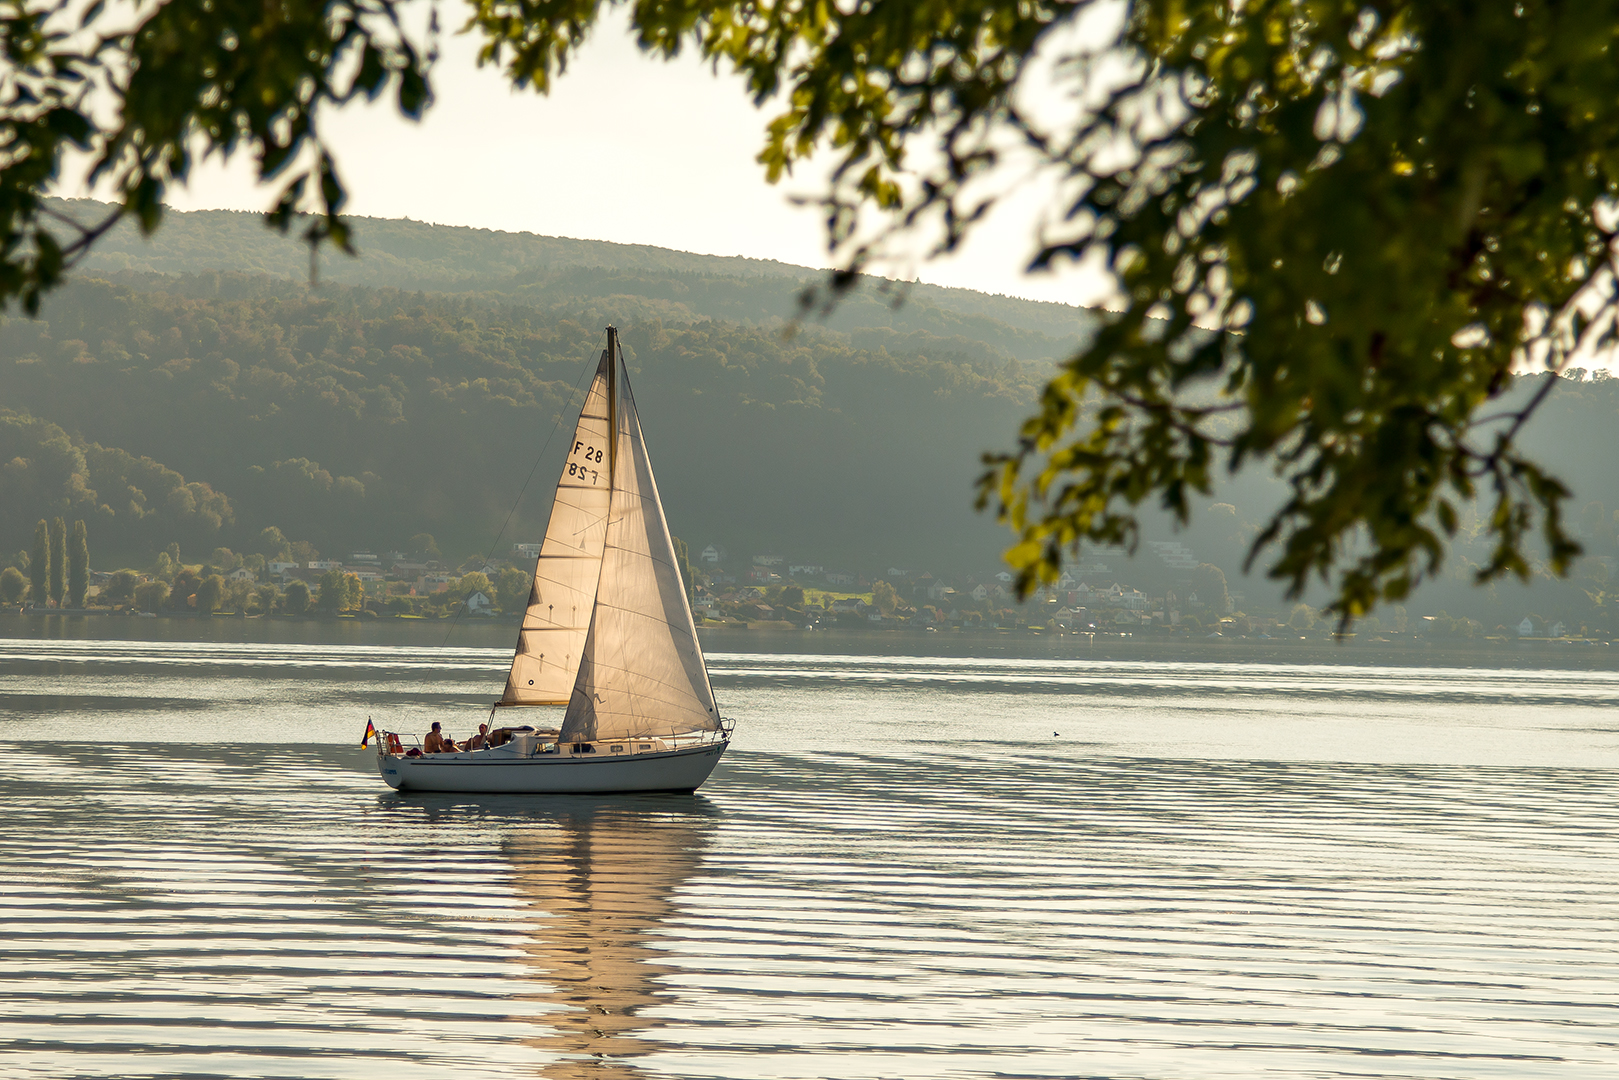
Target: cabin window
(617, 749)
(644, 746)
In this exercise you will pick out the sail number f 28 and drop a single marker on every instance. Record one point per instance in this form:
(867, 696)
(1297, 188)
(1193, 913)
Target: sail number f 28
(582, 469)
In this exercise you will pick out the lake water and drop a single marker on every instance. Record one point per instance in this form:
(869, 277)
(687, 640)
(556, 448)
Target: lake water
(907, 866)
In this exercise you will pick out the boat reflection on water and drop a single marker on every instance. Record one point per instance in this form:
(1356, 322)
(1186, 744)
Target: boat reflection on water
(601, 880)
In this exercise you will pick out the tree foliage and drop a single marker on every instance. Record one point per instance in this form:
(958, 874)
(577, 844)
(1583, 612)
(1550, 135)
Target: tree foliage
(296, 599)
(120, 588)
(39, 564)
(219, 78)
(183, 589)
(266, 597)
(338, 592)
(1335, 227)
(57, 585)
(78, 565)
(512, 589)
(12, 586)
(210, 594)
(152, 595)
(1384, 208)
(475, 581)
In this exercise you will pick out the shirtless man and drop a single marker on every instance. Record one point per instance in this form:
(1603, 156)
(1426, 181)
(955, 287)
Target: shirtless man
(436, 742)
(480, 740)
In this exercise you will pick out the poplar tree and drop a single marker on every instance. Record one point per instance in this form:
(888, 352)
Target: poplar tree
(39, 564)
(58, 576)
(78, 565)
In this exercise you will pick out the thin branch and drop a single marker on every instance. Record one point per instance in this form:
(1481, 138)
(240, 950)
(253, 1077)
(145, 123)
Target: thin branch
(1172, 414)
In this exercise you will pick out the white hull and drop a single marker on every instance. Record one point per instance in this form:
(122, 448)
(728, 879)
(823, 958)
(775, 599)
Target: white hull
(505, 770)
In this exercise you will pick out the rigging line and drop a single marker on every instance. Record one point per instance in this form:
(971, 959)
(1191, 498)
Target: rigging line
(567, 407)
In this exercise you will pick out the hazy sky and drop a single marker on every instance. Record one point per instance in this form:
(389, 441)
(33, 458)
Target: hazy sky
(626, 148)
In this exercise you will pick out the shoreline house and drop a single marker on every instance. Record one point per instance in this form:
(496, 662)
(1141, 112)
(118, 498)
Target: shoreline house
(1532, 627)
(1071, 616)
(479, 604)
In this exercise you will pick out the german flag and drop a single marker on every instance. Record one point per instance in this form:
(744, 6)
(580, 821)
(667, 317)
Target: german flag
(370, 732)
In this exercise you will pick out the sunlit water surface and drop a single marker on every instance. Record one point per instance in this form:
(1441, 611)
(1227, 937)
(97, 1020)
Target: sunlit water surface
(904, 867)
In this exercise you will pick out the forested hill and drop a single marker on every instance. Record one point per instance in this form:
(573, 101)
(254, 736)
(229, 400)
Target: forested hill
(204, 408)
(635, 282)
(194, 388)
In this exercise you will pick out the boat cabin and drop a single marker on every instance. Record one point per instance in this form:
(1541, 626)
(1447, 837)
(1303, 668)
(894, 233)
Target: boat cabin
(616, 746)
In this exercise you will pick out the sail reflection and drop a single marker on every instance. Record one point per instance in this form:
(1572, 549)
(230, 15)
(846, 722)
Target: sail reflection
(601, 881)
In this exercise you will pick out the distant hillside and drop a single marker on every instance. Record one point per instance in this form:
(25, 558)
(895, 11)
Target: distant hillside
(546, 271)
(193, 388)
(356, 417)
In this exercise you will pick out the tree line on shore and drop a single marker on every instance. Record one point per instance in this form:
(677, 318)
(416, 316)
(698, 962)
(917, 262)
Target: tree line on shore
(58, 568)
(55, 573)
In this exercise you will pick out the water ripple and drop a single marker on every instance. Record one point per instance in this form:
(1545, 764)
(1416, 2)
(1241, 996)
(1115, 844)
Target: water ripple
(250, 910)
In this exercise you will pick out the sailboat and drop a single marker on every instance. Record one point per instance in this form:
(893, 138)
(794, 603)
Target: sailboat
(608, 634)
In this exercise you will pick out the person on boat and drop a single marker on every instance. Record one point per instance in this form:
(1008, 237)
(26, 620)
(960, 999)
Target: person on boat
(437, 742)
(480, 740)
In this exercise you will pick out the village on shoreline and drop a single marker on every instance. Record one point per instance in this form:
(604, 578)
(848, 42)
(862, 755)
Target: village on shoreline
(758, 592)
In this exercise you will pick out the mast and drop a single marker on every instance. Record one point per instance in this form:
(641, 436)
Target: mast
(612, 405)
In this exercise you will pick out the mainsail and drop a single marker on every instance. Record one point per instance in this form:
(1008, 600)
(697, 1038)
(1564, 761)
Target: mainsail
(559, 604)
(642, 673)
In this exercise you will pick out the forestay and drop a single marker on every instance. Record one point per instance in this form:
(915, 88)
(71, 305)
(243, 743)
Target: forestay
(642, 673)
(558, 618)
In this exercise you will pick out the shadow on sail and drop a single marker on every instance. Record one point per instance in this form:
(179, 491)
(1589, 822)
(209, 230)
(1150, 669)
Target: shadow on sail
(601, 880)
